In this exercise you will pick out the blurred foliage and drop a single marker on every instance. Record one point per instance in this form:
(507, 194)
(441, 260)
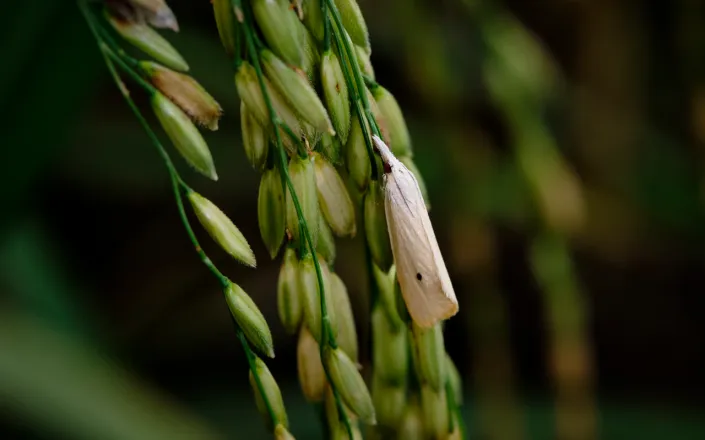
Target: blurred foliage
(97, 277)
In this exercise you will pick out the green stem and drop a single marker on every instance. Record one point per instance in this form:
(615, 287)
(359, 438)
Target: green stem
(355, 84)
(147, 86)
(326, 26)
(327, 337)
(108, 38)
(258, 380)
(103, 35)
(350, 53)
(237, 53)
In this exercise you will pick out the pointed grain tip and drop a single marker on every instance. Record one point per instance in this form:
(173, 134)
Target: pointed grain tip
(269, 353)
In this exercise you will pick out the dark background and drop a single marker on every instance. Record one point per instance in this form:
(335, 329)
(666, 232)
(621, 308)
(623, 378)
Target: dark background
(94, 260)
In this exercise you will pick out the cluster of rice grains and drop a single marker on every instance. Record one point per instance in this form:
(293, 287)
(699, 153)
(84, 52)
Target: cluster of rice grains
(309, 108)
(179, 103)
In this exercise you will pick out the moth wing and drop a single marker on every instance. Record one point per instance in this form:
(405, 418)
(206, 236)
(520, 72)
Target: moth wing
(441, 270)
(424, 285)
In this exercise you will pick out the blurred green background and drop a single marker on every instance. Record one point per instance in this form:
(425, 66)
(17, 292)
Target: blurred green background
(110, 328)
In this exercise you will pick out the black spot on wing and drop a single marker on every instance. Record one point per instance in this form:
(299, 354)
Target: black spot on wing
(419, 276)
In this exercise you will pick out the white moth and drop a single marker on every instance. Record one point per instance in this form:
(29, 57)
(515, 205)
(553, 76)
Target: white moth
(422, 274)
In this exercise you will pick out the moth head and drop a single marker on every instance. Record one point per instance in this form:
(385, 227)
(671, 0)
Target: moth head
(384, 153)
(376, 141)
